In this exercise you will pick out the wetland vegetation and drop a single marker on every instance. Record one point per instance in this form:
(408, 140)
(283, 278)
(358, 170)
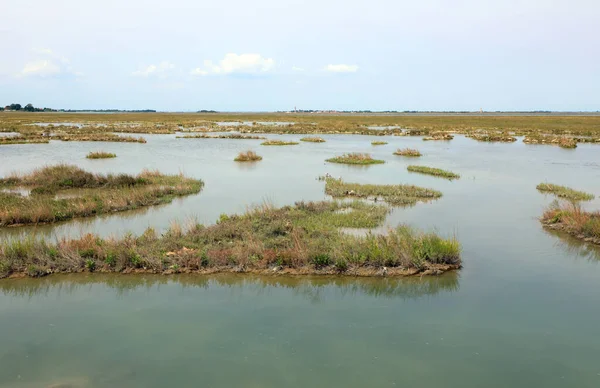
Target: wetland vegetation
(570, 218)
(565, 192)
(355, 158)
(433, 171)
(248, 156)
(376, 143)
(396, 195)
(493, 137)
(313, 139)
(100, 155)
(279, 143)
(61, 192)
(300, 239)
(410, 152)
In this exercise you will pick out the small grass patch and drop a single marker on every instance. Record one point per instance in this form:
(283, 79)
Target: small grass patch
(411, 152)
(300, 239)
(278, 143)
(565, 192)
(392, 194)
(561, 141)
(433, 171)
(248, 156)
(377, 143)
(355, 158)
(225, 136)
(94, 193)
(313, 139)
(100, 155)
(493, 137)
(571, 218)
(439, 136)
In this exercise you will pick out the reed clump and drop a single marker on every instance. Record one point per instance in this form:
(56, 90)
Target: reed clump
(88, 194)
(222, 136)
(355, 158)
(569, 217)
(410, 152)
(397, 195)
(493, 137)
(300, 239)
(278, 143)
(376, 143)
(561, 141)
(313, 139)
(100, 155)
(433, 171)
(439, 136)
(248, 156)
(565, 192)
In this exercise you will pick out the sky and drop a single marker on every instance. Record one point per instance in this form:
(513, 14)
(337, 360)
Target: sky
(266, 55)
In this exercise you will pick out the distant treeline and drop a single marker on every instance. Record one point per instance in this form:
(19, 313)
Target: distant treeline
(109, 110)
(31, 108)
(26, 108)
(407, 111)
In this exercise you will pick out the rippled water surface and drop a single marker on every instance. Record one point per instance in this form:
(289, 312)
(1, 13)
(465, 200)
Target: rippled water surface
(523, 312)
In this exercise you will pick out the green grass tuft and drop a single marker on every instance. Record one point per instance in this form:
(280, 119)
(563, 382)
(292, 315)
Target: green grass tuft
(433, 171)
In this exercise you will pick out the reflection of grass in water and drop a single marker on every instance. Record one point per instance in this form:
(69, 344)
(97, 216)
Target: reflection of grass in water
(574, 247)
(312, 288)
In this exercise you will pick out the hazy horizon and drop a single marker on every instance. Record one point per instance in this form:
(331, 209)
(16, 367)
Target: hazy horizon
(234, 56)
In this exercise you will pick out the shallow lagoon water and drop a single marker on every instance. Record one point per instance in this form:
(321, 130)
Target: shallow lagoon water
(523, 311)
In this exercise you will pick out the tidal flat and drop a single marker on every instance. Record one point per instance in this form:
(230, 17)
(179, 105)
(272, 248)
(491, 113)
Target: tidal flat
(484, 324)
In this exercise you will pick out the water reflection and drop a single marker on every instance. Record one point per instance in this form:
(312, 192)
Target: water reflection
(574, 247)
(315, 289)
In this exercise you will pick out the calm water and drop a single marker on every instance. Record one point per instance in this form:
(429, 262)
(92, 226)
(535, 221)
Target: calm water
(523, 312)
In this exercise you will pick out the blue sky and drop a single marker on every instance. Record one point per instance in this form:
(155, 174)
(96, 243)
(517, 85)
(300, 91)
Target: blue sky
(235, 55)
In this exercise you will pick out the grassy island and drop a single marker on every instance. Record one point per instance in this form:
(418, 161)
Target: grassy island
(439, 136)
(313, 139)
(570, 218)
(300, 239)
(411, 152)
(62, 192)
(278, 143)
(100, 155)
(221, 136)
(376, 143)
(493, 137)
(565, 192)
(393, 194)
(355, 158)
(248, 156)
(433, 171)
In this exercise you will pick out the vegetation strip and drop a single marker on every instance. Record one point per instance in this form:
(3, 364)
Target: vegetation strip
(433, 171)
(100, 155)
(278, 143)
(572, 219)
(565, 192)
(300, 239)
(392, 194)
(376, 143)
(355, 158)
(228, 136)
(248, 156)
(493, 137)
(408, 152)
(87, 194)
(313, 139)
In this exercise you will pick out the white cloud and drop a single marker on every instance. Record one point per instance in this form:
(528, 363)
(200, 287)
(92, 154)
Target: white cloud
(43, 67)
(236, 64)
(342, 68)
(159, 69)
(296, 68)
(48, 64)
